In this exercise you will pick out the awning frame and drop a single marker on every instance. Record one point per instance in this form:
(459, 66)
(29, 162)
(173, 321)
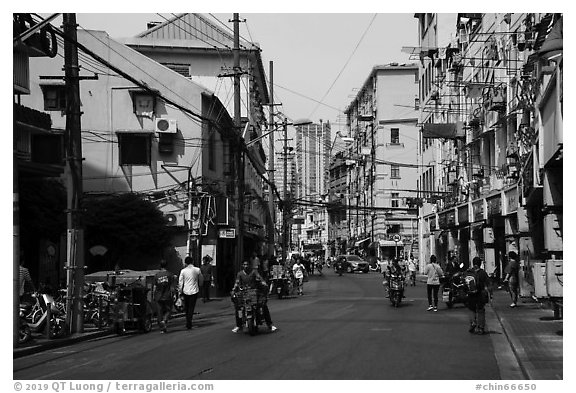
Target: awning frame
(356, 244)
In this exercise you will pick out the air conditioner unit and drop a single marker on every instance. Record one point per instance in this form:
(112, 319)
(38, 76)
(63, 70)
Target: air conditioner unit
(175, 219)
(169, 126)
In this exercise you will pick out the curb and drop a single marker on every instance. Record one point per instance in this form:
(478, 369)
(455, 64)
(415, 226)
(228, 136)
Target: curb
(66, 341)
(515, 345)
(58, 343)
(521, 372)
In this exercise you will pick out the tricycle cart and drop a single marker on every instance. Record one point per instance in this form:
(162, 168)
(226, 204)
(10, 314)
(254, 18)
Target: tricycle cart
(132, 309)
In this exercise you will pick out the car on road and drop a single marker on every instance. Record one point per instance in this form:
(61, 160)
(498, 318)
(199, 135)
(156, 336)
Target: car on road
(353, 263)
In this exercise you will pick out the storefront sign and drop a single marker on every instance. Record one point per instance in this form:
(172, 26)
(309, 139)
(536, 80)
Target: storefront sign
(494, 205)
(463, 215)
(227, 233)
(478, 210)
(511, 201)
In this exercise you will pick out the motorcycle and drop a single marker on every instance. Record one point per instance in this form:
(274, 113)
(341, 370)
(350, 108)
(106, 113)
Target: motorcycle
(319, 266)
(280, 282)
(453, 290)
(249, 308)
(396, 289)
(25, 334)
(36, 315)
(339, 268)
(96, 309)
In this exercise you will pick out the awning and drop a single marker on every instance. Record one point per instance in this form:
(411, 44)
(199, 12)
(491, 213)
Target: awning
(443, 130)
(373, 245)
(361, 241)
(391, 243)
(553, 45)
(312, 247)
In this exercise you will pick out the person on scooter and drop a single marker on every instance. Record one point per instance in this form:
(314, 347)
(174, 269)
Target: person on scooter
(394, 269)
(250, 278)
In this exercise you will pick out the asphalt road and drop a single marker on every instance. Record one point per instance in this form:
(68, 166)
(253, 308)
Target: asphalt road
(341, 329)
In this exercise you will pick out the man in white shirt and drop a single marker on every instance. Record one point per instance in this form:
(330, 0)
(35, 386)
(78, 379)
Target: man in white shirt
(299, 271)
(189, 284)
(412, 268)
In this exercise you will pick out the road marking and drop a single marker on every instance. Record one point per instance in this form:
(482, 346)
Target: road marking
(380, 329)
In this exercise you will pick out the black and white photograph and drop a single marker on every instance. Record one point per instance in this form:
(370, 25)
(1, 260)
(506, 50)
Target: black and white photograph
(313, 198)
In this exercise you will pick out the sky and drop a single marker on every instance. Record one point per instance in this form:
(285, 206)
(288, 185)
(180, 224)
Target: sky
(319, 59)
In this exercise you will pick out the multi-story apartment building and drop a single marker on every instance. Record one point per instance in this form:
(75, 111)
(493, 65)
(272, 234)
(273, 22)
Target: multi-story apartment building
(382, 164)
(491, 110)
(313, 142)
(193, 46)
(151, 130)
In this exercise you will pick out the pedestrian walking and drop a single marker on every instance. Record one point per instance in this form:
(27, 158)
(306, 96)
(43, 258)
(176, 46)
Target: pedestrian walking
(299, 272)
(189, 284)
(255, 262)
(206, 270)
(26, 284)
(412, 268)
(434, 272)
(266, 267)
(512, 277)
(479, 293)
(162, 290)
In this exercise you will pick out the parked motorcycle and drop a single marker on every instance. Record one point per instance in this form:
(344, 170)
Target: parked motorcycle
(453, 290)
(25, 334)
(36, 315)
(395, 288)
(249, 308)
(97, 309)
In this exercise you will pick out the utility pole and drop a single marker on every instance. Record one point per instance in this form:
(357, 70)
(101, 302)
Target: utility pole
(271, 236)
(16, 250)
(372, 181)
(285, 192)
(75, 233)
(239, 148)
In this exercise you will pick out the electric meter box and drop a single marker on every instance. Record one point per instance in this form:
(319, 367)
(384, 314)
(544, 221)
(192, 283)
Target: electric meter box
(554, 277)
(539, 273)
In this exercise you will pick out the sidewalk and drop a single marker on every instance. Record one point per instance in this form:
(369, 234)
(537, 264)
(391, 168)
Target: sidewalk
(214, 308)
(534, 335)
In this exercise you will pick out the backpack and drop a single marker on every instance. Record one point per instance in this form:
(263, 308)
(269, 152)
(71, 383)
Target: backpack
(471, 282)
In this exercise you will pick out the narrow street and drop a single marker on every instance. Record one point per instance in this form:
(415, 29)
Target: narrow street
(341, 329)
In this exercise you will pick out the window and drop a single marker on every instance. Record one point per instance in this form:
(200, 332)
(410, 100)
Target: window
(394, 199)
(394, 171)
(54, 97)
(134, 148)
(47, 149)
(395, 136)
